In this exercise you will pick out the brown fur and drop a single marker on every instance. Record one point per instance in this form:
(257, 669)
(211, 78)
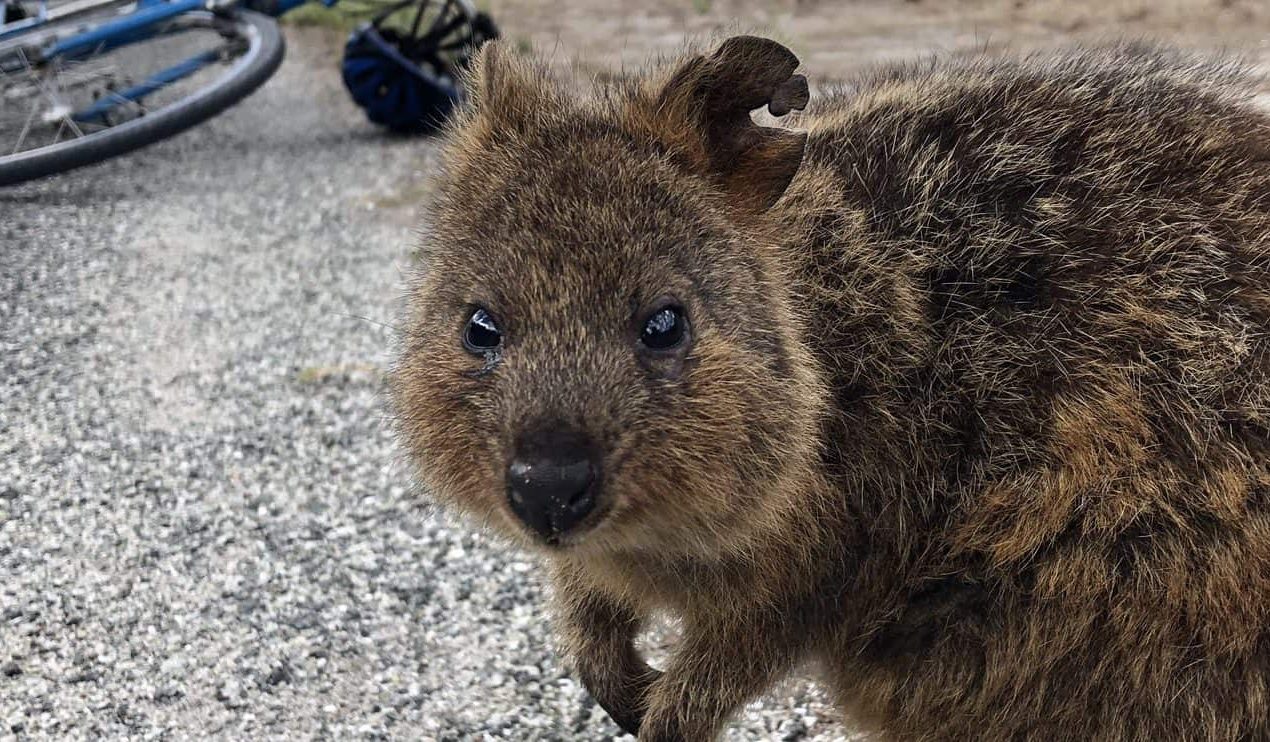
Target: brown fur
(976, 415)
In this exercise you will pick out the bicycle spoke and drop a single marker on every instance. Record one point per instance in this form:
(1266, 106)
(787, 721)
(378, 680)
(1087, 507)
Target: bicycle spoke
(414, 26)
(443, 29)
(73, 126)
(40, 104)
(26, 129)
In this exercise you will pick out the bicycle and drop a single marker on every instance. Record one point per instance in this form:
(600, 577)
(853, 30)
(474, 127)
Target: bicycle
(88, 80)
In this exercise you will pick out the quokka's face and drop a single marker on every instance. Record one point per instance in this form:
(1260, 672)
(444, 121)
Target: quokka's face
(593, 356)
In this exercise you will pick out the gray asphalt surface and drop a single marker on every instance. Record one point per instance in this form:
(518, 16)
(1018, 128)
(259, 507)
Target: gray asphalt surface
(205, 527)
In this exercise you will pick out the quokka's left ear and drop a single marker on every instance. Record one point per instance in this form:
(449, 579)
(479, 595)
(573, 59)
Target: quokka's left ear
(507, 92)
(703, 113)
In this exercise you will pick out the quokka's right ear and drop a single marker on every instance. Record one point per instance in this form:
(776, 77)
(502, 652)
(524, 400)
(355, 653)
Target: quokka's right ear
(703, 114)
(506, 90)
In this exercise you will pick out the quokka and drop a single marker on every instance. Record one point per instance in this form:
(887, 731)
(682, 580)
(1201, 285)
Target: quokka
(954, 385)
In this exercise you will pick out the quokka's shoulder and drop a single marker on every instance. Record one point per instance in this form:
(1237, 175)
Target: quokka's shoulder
(1049, 137)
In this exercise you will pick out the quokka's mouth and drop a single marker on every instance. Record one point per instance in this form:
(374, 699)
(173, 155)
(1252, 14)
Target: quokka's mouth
(575, 535)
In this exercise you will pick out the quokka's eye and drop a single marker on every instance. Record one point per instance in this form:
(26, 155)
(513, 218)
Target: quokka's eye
(481, 333)
(664, 329)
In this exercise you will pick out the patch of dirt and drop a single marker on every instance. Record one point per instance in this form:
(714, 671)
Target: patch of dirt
(835, 38)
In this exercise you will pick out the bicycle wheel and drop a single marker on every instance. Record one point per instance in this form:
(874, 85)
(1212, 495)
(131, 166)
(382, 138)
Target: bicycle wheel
(63, 113)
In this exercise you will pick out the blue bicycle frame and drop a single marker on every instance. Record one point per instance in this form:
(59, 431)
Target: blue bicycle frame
(147, 19)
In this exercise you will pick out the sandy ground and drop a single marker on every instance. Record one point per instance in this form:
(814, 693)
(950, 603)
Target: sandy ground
(205, 526)
(833, 39)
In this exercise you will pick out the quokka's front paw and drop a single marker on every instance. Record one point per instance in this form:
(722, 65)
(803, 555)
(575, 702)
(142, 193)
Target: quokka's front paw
(628, 718)
(626, 705)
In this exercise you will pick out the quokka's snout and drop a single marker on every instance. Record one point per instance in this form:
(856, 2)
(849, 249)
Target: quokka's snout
(554, 480)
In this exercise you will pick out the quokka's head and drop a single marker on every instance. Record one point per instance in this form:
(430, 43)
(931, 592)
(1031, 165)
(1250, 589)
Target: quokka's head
(600, 353)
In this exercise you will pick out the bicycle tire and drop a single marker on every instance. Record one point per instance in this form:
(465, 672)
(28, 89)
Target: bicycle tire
(264, 55)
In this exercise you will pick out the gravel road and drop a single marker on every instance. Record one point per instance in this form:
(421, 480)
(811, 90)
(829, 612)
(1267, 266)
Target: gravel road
(205, 527)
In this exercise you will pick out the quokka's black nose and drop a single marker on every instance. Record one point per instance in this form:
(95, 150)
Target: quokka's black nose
(552, 481)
